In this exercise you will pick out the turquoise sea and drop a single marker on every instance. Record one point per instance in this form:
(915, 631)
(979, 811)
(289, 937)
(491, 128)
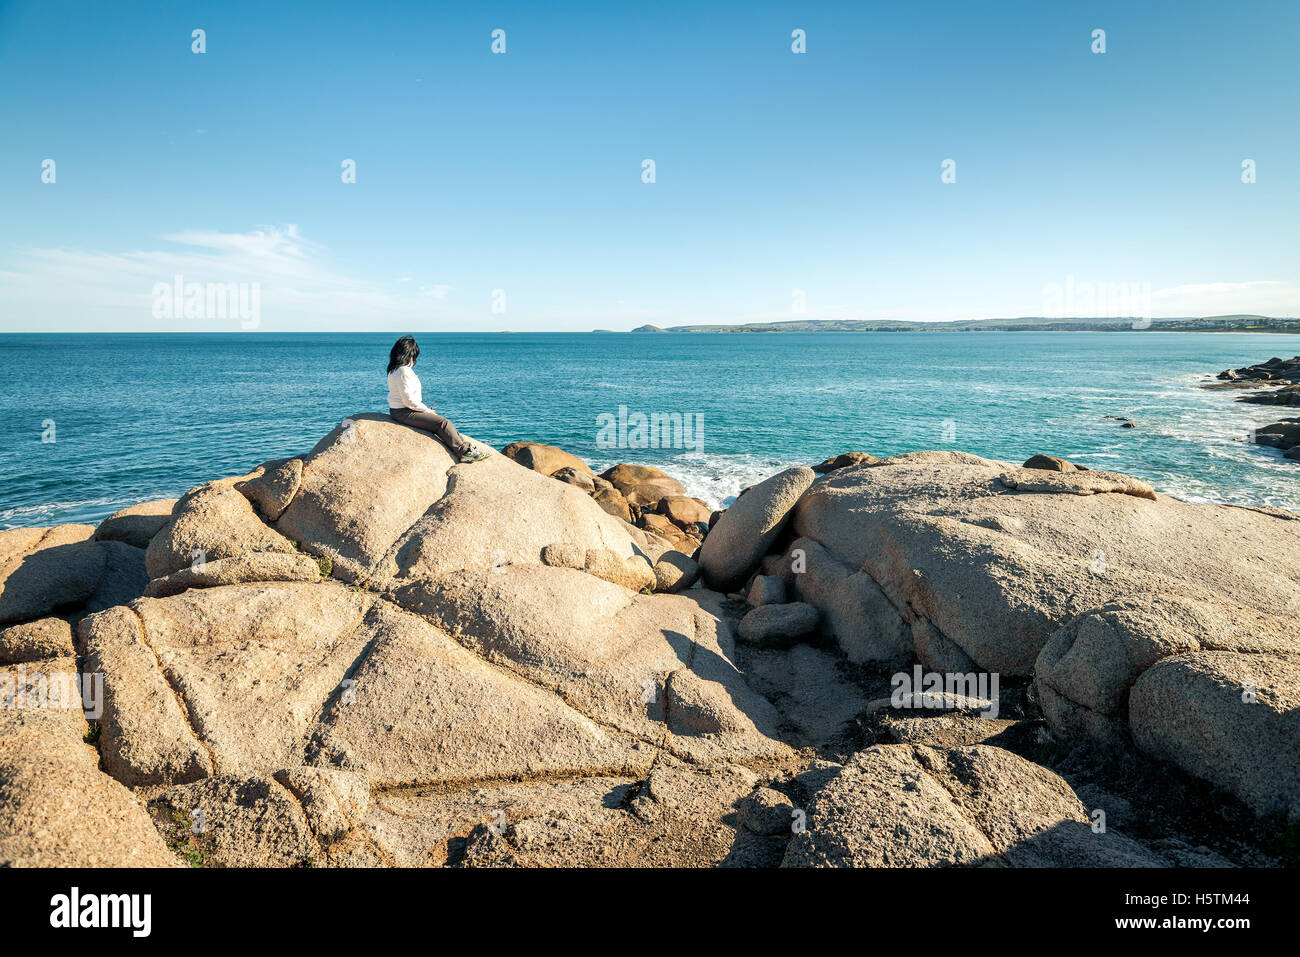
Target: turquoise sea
(134, 417)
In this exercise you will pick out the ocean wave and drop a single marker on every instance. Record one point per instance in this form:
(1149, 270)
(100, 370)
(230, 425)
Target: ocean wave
(765, 408)
(25, 516)
(715, 479)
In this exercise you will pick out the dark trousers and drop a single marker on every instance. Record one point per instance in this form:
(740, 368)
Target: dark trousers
(435, 425)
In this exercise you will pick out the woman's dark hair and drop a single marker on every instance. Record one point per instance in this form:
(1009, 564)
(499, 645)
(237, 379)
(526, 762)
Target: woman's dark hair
(405, 352)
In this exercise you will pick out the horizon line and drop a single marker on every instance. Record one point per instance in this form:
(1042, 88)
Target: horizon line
(721, 327)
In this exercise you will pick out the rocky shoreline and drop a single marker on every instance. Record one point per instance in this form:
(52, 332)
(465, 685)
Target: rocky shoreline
(1275, 382)
(1279, 377)
(370, 655)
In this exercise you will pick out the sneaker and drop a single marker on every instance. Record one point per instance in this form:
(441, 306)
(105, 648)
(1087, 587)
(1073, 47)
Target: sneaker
(475, 454)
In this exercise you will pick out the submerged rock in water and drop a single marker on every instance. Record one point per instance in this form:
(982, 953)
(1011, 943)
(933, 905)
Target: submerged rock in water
(1289, 395)
(1283, 435)
(1274, 371)
(1275, 382)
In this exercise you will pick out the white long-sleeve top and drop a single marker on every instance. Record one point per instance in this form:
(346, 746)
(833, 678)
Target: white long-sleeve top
(404, 390)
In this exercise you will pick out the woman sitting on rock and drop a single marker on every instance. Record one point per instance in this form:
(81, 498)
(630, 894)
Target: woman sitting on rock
(406, 407)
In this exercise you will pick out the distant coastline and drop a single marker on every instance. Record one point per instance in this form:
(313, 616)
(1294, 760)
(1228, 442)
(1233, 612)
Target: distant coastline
(1233, 323)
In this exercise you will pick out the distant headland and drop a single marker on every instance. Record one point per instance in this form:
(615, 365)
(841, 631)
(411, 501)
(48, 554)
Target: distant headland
(1234, 323)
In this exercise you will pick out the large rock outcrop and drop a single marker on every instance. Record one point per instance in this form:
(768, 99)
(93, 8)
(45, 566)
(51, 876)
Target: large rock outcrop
(42, 569)
(211, 522)
(462, 658)
(1233, 719)
(546, 459)
(295, 817)
(642, 496)
(361, 488)
(373, 655)
(495, 514)
(984, 561)
(660, 668)
(57, 809)
(748, 529)
(909, 806)
(136, 525)
(1086, 671)
(1087, 579)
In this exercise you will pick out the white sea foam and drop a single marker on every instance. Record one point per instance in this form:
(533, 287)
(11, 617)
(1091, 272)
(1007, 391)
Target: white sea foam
(716, 479)
(25, 516)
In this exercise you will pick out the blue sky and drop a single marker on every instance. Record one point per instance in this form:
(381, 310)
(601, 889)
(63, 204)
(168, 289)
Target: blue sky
(522, 172)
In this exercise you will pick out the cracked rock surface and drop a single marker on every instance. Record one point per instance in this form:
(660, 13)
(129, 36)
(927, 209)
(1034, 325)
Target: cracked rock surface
(369, 655)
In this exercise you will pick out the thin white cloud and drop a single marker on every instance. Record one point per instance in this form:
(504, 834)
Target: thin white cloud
(299, 282)
(1215, 288)
(1270, 297)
